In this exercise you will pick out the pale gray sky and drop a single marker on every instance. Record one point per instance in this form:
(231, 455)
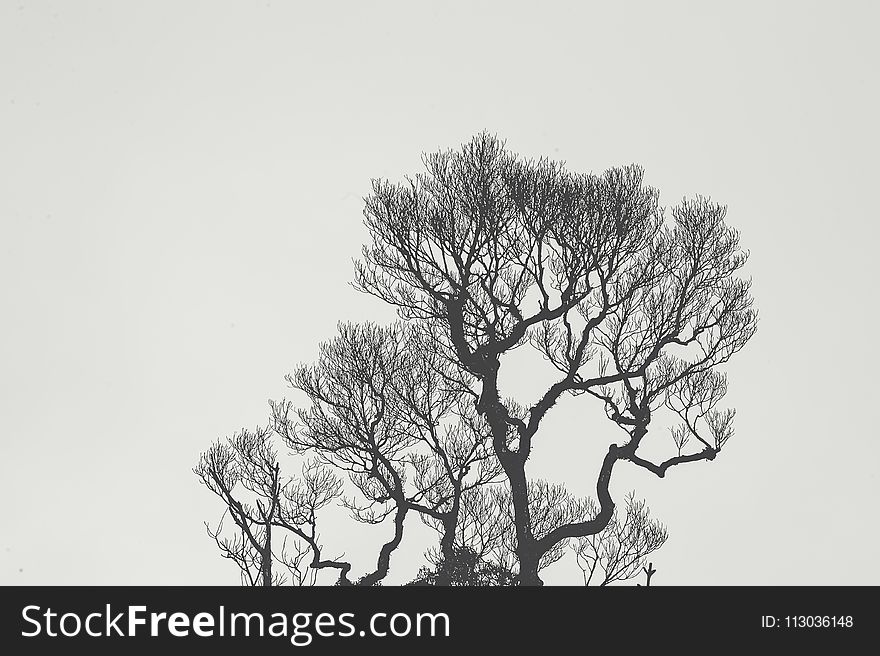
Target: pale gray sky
(180, 202)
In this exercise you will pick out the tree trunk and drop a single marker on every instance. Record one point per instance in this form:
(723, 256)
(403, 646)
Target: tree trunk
(384, 561)
(447, 547)
(528, 567)
(526, 549)
(266, 559)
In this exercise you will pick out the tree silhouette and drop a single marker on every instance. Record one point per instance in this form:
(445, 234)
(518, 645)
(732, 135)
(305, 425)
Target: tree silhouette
(483, 253)
(244, 472)
(492, 252)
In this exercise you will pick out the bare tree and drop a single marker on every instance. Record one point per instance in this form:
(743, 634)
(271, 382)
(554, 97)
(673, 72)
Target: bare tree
(245, 460)
(482, 254)
(493, 251)
(244, 473)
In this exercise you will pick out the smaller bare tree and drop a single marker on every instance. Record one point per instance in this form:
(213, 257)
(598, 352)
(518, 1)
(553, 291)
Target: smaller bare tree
(244, 472)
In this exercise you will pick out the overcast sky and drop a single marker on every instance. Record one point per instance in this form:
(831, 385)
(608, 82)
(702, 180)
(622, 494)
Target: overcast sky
(181, 190)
